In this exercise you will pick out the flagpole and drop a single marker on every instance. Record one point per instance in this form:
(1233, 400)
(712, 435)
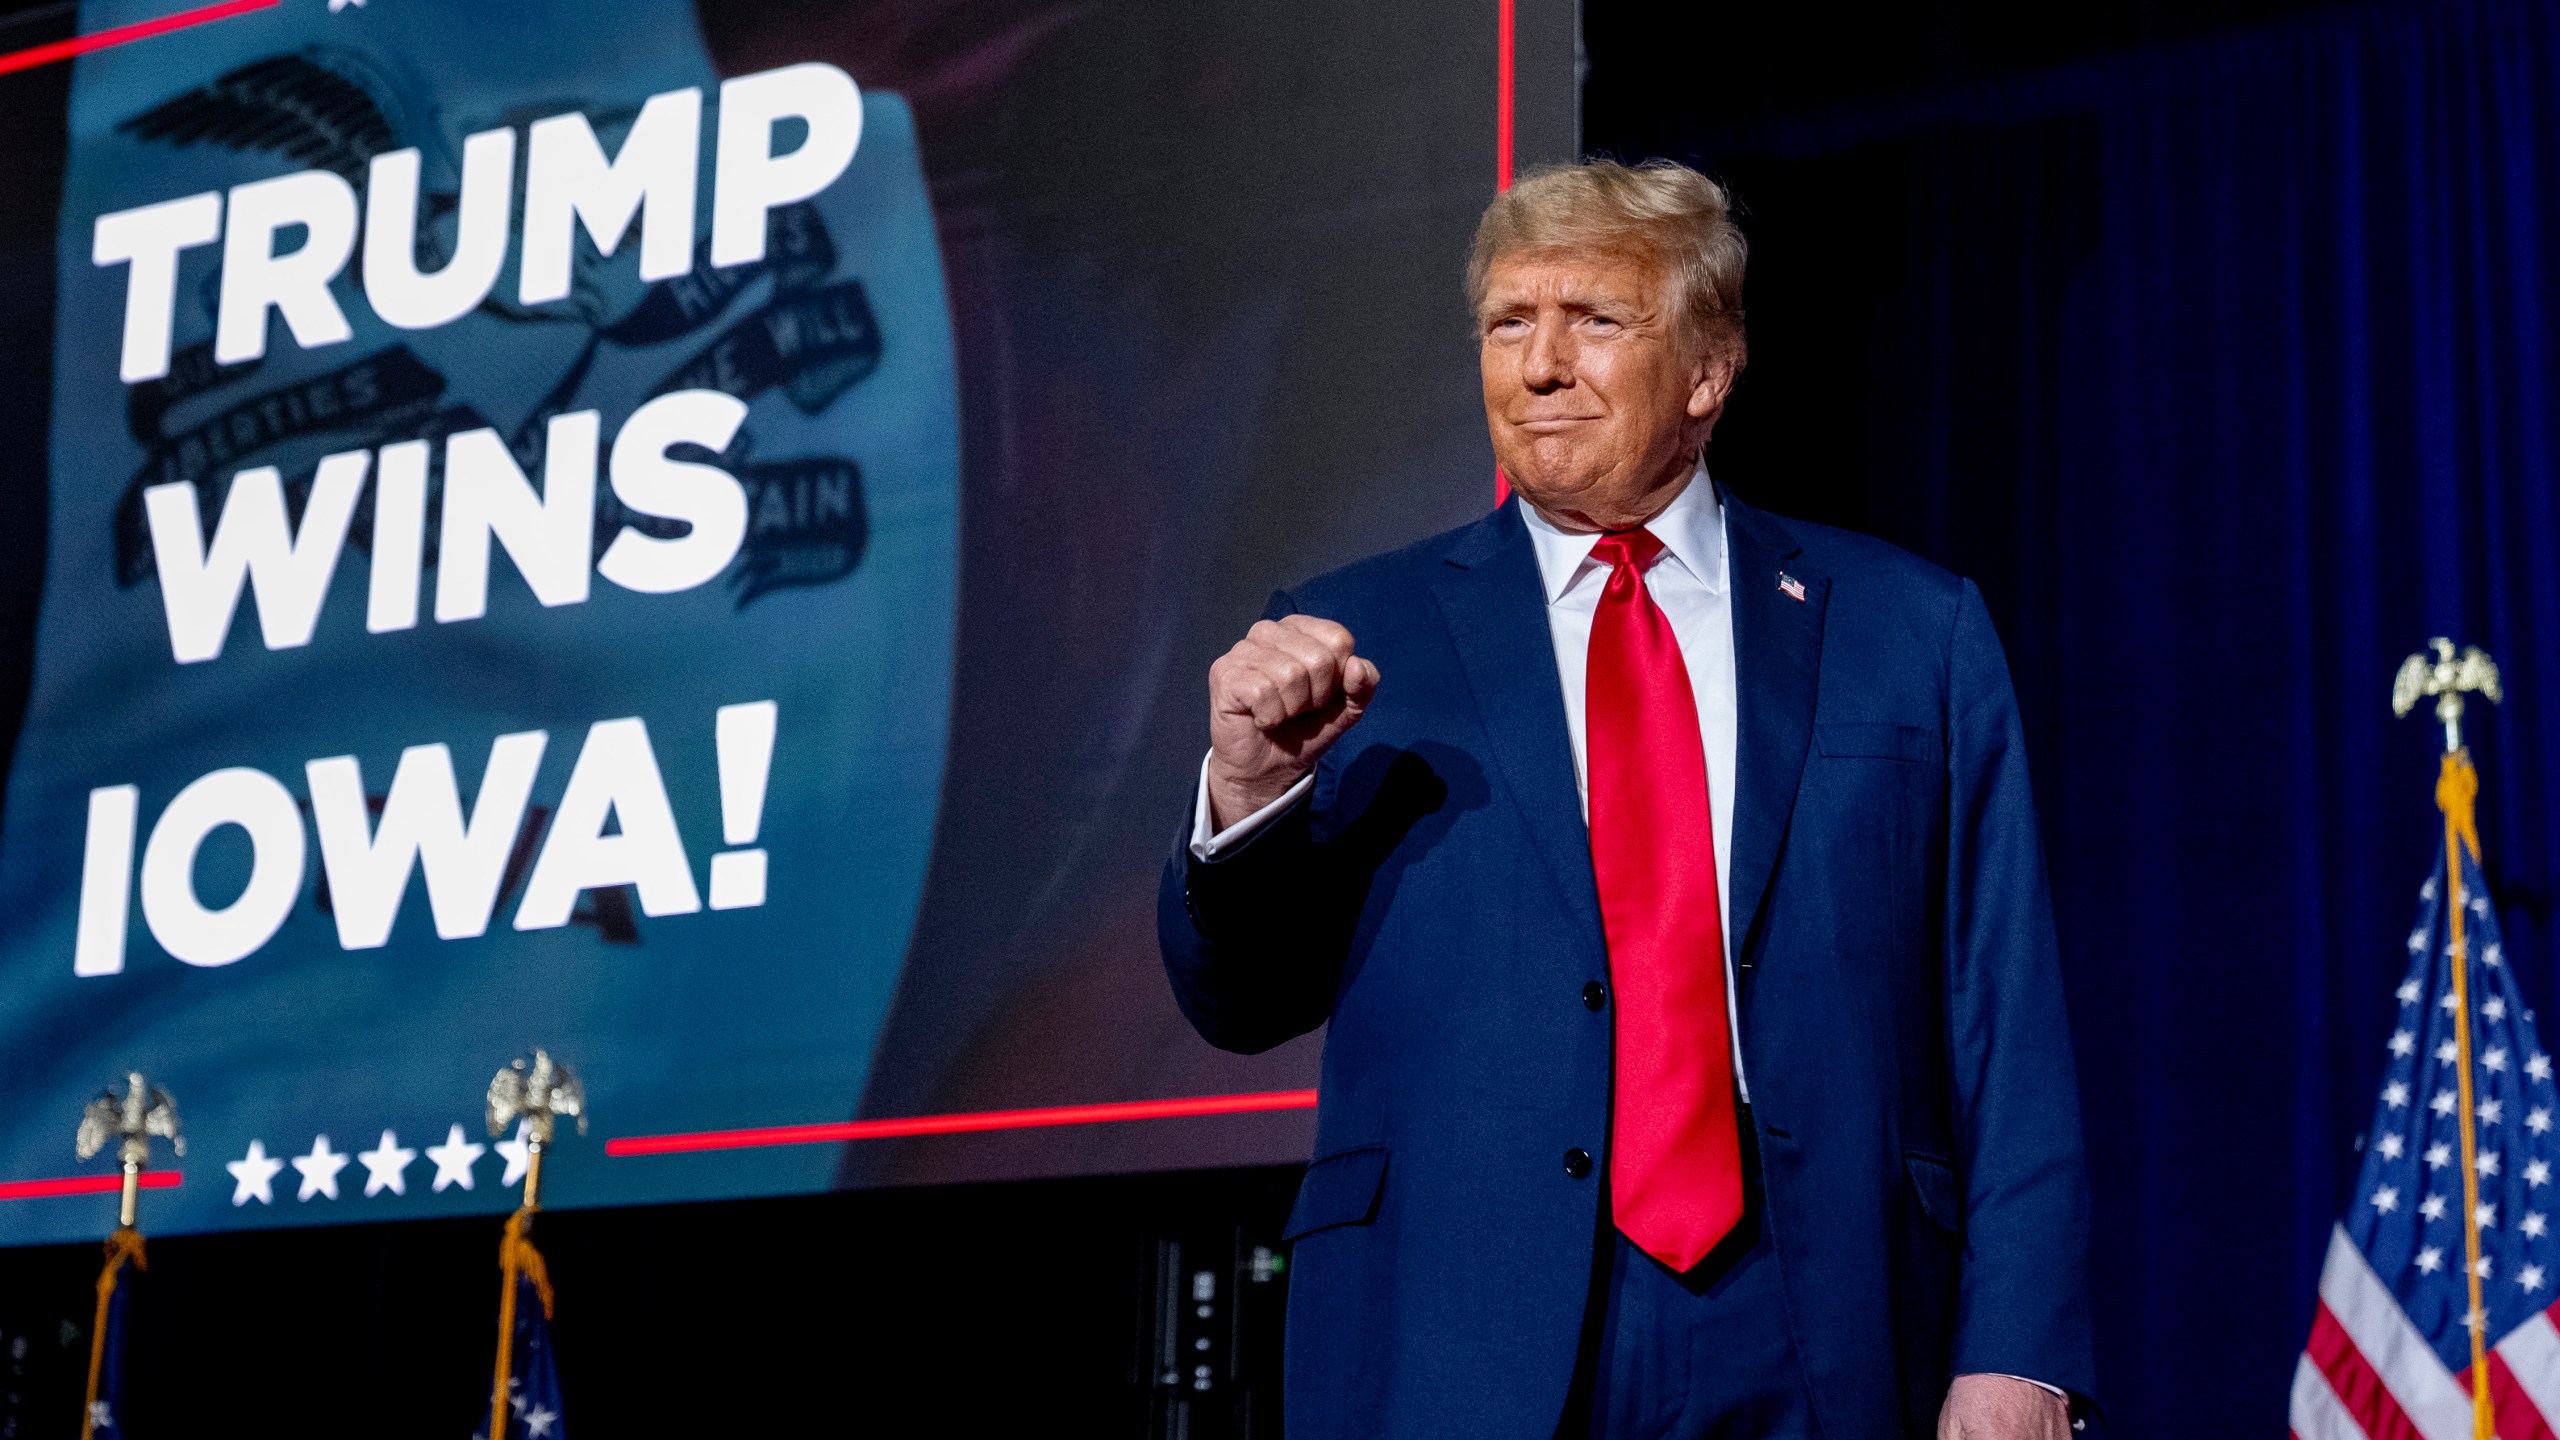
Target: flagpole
(130, 1118)
(537, 1095)
(2456, 784)
(2447, 678)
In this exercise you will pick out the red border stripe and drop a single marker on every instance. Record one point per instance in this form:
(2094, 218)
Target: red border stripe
(84, 1185)
(961, 1124)
(35, 55)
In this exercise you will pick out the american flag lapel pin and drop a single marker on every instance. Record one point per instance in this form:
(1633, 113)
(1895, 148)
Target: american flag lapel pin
(1793, 586)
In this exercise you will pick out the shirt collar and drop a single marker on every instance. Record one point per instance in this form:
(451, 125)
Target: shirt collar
(1691, 528)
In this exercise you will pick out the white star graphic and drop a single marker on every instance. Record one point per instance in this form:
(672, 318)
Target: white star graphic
(2537, 1173)
(2443, 1103)
(2447, 1051)
(2396, 1094)
(2482, 1267)
(2408, 991)
(2432, 1207)
(2386, 1199)
(2430, 1260)
(254, 1175)
(2428, 890)
(454, 1159)
(2485, 1215)
(2390, 1147)
(2480, 906)
(2490, 1110)
(2471, 1319)
(2457, 949)
(2539, 1067)
(2538, 1119)
(2491, 955)
(2404, 1042)
(320, 1169)
(2445, 1002)
(2530, 1278)
(2417, 946)
(517, 1154)
(2535, 1225)
(386, 1166)
(337, 5)
(2486, 1162)
(537, 1422)
(2495, 1008)
(2439, 1155)
(2495, 1061)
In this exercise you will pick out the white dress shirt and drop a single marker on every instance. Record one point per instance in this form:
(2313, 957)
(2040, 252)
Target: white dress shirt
(1691, 582)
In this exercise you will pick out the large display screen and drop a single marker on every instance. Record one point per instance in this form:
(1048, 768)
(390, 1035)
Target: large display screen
(689, 538)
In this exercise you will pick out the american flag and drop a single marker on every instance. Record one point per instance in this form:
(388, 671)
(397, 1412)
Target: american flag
(2390, 1348)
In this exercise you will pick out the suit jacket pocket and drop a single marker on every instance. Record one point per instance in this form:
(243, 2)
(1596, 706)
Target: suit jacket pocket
(1340, 1189)
(1877, 742)
(1941, 1196)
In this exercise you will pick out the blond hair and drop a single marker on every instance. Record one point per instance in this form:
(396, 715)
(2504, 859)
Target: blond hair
(1665, 212)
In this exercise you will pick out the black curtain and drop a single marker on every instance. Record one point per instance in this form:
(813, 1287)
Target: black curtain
(2229, 371)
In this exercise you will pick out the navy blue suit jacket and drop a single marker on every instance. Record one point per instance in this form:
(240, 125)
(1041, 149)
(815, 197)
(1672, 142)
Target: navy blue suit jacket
(1901, 1007)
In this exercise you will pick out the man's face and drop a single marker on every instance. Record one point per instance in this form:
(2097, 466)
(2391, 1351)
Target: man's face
(1596, 404)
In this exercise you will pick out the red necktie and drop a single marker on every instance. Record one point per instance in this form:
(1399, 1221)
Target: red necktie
(1675, 1164)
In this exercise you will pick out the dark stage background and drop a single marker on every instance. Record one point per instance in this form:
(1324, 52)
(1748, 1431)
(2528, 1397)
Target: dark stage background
(2223, 357)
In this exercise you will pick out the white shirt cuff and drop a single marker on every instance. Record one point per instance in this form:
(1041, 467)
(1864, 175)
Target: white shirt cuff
(2055, 1391)
(1206, 847)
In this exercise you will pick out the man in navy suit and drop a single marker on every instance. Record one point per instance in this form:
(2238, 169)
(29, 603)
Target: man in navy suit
(1667, 874)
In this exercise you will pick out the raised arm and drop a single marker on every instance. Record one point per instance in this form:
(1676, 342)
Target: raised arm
(1254, 939)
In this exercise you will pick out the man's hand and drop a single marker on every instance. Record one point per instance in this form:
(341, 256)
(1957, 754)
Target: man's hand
(2001, 1407)
(1277, 702)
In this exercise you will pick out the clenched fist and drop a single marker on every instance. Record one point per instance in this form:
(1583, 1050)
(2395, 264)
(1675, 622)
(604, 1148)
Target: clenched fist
(1277, 702)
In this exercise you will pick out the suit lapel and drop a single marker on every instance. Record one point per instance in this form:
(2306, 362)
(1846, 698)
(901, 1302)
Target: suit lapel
(1495, 607)
(1777, 663)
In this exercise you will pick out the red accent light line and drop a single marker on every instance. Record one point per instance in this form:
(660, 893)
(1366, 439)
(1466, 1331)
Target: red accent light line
(35, 55)
(1502, 65)
(964, 1123)
(84, 1185)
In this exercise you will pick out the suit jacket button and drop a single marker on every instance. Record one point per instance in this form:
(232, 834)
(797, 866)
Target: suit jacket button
(1577, 1162)
(1594, 995)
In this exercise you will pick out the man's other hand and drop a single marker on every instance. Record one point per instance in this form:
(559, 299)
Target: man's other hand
(2001, 1407)
(1277, 702)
